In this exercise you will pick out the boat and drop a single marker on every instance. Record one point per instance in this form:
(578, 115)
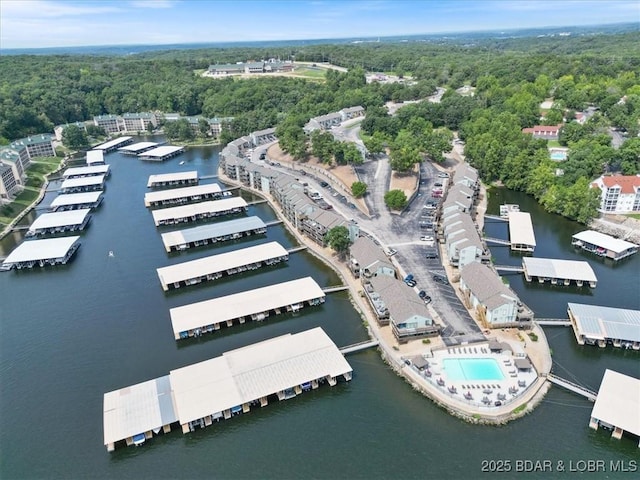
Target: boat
(111, 254)
(181, 163)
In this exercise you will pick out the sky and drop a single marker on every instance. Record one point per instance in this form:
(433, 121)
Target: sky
(57, 23)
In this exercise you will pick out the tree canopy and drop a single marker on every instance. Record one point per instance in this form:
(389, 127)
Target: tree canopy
(338, 239)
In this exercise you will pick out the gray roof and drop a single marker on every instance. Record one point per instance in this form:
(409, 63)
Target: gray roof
(213, 230)
(522, 364)
(605, 241)
(554, 268)
(368, 254)
(597, 322)
(403, 303)
(486, 285)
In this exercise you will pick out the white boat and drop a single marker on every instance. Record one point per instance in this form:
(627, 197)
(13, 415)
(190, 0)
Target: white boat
(181, 163)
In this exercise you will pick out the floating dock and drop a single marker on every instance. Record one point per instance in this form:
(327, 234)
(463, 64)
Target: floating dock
(78, 172)
(82, 184)
(217, 266)
(199, 211)
(603, 245)
(111, 145)
(507, 208)
(137, 148)
(618, 405)
(160, 154)
(178, 196)
(205, 317)
(558, 272)
(596, 325)
(95, 157)
(76, 201)
(59, 222)
(34, 253)
(173, 179)
(521, 236)
(197, 395)
(213, 233)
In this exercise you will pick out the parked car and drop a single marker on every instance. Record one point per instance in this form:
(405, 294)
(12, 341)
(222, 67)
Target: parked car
(426, 238)
(390, 252)
(431, 253)
(425, 298)
(324, 184)
(410, 281)
(443, 175)
(263, 155)
(437, 184)
(441, 279)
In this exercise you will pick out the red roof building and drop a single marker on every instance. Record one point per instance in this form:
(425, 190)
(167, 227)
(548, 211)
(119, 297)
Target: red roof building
(546, 132)
(618, 193)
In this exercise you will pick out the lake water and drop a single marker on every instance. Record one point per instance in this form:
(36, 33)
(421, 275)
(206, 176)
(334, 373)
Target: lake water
(70, 334)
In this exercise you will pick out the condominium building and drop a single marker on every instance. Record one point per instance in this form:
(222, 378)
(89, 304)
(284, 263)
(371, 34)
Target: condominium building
(138, 122)
(618, 193)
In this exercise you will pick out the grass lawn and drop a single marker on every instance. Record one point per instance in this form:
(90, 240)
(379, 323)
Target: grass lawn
(634, 215)
(311, 72)
(553, 143)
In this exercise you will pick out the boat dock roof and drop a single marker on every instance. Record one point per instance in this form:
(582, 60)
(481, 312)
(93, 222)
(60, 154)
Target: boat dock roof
(253, 372)
(95, 157)
(65, 199)
(138, 147)
(86, 171)
(554, 268)
(604, 241)
(172, 177)
(80, 182)
(602, 323)
(59, 219)
(186, 211)
(46, 249)
(521, 230)
(618, 402)
(160, 153)
(137, 409)
(221, 309)
(219, 263)
(112, 144)
(213, 230)
(173, 194)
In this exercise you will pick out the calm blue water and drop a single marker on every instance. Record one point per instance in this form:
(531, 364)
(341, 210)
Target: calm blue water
(460, 369)
(558, 156)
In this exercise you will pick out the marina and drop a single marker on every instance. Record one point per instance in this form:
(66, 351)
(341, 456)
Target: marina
(95, 157)
(137, 148)
(41, 253)
(197, 395)
(178, 196)
(603, 245)
(173, 179)
(199, 211)
(82, 184)
(74, 201)
(256, 305)
(79, 172)
(114, 144)
(212, 233)
(521, 236)
(602, 326)
(558, 272)
(217, 266)
(160, 154)
(59, 222)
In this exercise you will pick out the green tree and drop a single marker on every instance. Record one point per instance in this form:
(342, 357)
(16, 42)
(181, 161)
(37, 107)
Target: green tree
(358, 189)
(338, 239)
(375, 143)
(74, 137)
(395, 199)
(203, 127)
(95, 131)
(322, 146)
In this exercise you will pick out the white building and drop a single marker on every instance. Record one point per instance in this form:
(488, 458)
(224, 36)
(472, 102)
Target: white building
(618, 193)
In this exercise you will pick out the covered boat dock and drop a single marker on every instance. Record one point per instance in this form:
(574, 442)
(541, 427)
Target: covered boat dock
(160, 154)
(95, 157)
(603, 245)
(50, 251)
(82, 184)
(213, 233)
(558, 272)
(111, 145)
(199, 211)
(173, 179)
(216, 266)
(597, 325)
(521, 236)
(137, 148)
(78, 172)
(178, 196)
(75, 201)
(197, 318)
(59, 222)
(617, 406)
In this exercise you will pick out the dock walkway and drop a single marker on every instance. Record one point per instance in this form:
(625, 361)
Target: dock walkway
(356, 347)
(574, 387)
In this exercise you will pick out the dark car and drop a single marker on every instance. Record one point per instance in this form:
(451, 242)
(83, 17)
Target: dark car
(431, 253)
(263, 155)
(425, 298)
(410, 281)
(324, 184)
(441, 279)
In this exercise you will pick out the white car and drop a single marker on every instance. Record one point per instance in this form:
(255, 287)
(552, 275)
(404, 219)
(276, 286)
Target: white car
(426, 238)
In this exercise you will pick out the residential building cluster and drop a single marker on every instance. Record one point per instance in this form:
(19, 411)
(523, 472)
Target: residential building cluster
(618, 193)
(16, 157)
(325, 122)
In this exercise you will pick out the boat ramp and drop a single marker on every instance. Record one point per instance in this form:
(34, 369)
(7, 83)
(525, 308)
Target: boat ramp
(78, 172)
(47, 252)
(59, 222)
(257, 305)
(558, 272)
(603, 245)
(179, 196)
(217, 266)
(199, 211)
(75, 201)
(160, 154)
(197, 395)
(137, 148)
(82, 184)
(112, 145)
(173, 179)
(602, 326)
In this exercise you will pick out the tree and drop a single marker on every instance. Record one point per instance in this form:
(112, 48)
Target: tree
(375, 143)
(395, 199)
(358, 189)
(95, 131)
(203, 127)
(74, 137)
(322, 146)
(338, 239)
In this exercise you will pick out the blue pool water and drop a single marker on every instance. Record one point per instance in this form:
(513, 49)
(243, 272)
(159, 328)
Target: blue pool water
(471, 369)
(558, 156)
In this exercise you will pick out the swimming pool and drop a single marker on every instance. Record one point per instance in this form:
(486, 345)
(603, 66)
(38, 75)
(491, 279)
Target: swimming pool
(558, 156)
(471, 369)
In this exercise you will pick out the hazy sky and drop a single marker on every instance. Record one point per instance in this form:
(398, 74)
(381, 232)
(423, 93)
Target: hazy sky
(49, 23)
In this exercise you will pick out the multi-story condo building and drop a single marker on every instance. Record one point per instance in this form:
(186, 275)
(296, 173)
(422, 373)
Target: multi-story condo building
(618, 193)
(110, 123)
(138, 122)
(9, 186)
(40, 145)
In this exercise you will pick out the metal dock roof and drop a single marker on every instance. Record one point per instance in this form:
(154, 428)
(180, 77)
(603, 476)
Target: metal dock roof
(48, 248)
(221, 309)
(95, 156)
(82, 182)
(213, 230)
(162, 151)
(60, 219)
(137, 409)
(76, 198)
(136, 147)
(175, 193)
(554, 268)
(220, 263)
(618, 402)
(255, 371)
(84, 171)
(112, 143)
(185, 211)
(172, 177)
(521, 229)
(605, 241)
(597, 322)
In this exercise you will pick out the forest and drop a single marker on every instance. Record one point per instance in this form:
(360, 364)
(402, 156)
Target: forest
(511, 78)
